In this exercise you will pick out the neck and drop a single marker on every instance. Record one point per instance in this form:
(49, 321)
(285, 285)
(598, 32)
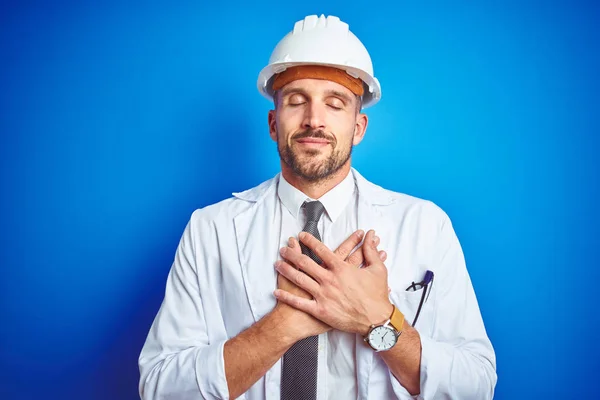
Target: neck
(315, 189)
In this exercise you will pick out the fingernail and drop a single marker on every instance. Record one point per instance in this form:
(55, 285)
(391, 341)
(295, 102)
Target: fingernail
(302, 235)
(277, 264)
(360, 233)
(283, 250)
(291, 241)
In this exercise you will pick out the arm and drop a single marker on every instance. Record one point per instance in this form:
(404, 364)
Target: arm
(404, 359)
(182, 358)
(253, 352)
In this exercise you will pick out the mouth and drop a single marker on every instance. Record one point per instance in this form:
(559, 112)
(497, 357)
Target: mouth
(314, 143)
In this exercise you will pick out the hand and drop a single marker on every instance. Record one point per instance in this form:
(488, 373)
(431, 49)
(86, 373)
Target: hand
(344, 297)
(302, 324)
(306, 325)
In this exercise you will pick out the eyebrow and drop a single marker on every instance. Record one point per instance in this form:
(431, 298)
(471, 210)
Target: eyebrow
(331, 92)
(287, 91)
(339, 94)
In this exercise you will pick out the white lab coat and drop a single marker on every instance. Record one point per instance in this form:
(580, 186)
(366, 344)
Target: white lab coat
(222, 280)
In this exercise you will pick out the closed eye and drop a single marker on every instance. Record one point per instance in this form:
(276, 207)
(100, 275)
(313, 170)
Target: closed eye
(335, 103)
(296, 99)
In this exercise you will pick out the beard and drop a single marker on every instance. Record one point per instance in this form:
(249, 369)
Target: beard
(307, 167)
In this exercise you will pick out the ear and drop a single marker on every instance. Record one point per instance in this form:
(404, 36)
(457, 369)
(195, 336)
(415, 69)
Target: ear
(360, 128)
(273, 124)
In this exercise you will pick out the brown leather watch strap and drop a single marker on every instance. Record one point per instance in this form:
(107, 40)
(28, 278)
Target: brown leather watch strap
(397, 319)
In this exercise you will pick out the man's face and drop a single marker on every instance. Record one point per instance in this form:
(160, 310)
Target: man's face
(315, 124)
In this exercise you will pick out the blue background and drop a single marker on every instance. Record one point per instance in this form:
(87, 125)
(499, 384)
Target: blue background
(118, 119)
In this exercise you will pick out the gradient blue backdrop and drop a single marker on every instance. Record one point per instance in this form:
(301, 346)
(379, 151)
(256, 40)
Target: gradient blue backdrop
(118, 119)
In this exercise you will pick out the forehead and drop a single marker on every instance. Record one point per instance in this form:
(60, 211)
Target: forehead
(316, 87)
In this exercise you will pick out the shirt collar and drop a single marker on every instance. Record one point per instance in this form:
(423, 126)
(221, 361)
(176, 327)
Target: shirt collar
(334, 201)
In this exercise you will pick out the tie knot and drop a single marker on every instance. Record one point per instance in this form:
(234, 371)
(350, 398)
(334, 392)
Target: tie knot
(314, 210)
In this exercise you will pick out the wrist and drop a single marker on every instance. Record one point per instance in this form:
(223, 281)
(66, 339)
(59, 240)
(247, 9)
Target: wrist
(377, 316)
(384, 336)
(283, 324)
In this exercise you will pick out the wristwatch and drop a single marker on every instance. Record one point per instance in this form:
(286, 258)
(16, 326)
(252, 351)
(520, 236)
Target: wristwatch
(384, 336)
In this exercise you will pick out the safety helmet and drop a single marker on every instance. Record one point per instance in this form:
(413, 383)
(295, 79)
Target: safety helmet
(322, 41)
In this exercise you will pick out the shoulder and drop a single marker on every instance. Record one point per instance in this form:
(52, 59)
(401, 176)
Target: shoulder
(423, 207)
(403, 209)
(392, 202)
(227, 209)
(422, 214)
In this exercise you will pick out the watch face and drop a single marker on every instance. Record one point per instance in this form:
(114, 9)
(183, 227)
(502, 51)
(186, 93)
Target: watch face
(382, 338)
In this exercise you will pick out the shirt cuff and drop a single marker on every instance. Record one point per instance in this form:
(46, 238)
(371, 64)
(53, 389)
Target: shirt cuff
(399, 390)
(434, 356)
(210, 372)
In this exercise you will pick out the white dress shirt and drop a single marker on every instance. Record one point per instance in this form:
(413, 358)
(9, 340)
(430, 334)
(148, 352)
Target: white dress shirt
(337, 364)
(222, 281)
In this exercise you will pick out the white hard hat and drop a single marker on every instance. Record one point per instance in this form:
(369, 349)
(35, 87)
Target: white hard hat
(322, 41)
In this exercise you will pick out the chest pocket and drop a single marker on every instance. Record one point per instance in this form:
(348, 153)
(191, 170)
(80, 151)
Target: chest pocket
(408, 303)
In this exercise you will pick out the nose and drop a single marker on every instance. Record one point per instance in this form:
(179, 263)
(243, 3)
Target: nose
(314, 116)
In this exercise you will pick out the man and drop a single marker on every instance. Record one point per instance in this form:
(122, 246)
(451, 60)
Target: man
(258, 306)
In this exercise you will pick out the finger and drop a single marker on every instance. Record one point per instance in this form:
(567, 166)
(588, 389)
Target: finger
(327, 256)
(307, 305)
(357, 258)
(370, 250)
(294, 245)
(297, 277)
(304, 263)
(349, 244)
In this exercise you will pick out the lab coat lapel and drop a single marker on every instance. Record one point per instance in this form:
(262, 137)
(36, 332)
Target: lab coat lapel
(372, 201)
(255, 237)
